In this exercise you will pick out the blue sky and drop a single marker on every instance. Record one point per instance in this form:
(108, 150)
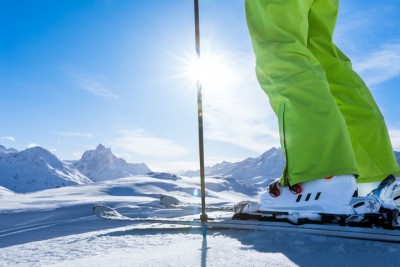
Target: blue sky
(77, 73)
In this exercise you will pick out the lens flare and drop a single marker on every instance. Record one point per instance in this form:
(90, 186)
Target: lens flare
(195, 192)
(211, 70)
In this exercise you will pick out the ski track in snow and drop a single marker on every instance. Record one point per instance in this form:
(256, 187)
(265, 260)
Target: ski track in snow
(56, 228)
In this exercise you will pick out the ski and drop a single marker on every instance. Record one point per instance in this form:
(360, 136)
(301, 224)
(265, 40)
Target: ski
(372, 234)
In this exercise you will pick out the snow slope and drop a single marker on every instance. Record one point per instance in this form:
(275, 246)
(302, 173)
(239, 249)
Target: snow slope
(36, 169)
(55, 227)
(130, 191)
(101, 164)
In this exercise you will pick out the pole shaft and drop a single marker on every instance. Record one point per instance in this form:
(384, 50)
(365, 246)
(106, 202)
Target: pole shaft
(197, 26)
(200, 115)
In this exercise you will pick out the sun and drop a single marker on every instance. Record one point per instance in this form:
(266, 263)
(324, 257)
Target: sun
(217, 70)
(211, 70)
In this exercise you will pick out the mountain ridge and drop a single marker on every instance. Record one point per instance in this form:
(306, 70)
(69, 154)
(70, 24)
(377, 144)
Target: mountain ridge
(101, 164)
(35, 169)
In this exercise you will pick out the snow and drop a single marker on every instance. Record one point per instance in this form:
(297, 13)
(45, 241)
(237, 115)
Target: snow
(56, 227)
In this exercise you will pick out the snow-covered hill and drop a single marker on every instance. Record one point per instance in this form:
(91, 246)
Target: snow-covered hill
(36, 169)
(397, 155)
(101, 164)
(142, 190)
(250, 171)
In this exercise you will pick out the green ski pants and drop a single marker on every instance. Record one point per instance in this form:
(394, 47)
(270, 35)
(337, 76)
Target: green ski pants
(328, 120)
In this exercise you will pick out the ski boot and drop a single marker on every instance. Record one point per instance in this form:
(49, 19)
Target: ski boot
(388, 191)
(331, 195)
(313, 200)
(388, 195)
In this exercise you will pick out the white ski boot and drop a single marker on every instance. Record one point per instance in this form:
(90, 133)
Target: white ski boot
(309, 200)
(331, 195)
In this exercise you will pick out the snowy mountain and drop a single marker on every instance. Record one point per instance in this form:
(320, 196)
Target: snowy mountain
(7, 150)
(250, 171)
(101, 164)
(36, 169)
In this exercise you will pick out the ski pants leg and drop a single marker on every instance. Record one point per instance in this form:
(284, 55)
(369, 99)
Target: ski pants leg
(327, 116)
(368, 132)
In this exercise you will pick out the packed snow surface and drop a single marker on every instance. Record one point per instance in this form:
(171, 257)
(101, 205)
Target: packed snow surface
(56, 227)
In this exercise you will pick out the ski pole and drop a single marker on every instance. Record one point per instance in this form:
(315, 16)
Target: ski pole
(203, 216)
